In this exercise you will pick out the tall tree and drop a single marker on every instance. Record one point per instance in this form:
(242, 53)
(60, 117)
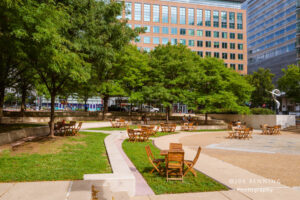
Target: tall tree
(262, 81)
(290, 82)
(217, 89)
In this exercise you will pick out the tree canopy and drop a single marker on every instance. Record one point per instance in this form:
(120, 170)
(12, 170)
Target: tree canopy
(290, 82)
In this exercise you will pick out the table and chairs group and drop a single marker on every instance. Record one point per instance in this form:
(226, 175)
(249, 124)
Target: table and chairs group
(64, 128)
(173, 166)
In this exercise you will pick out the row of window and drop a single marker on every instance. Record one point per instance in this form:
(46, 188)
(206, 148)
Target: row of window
(220, 19)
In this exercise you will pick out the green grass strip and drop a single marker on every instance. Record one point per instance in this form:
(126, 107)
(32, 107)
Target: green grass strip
(112, 129)
(86, 156)
(137, 154)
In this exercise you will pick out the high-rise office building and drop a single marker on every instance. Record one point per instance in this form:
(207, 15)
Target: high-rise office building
(208, 27)
(271, 32)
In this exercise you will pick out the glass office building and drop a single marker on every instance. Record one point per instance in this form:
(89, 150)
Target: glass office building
(271, 32)
(215, 28)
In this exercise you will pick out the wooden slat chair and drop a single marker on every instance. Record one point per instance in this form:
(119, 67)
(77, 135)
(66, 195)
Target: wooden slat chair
(250, 132)
(231, 131)
(113, 124)
(156, 163)
(175, 146)
(245, 133)
(58, 128)
(172, 127)
(277, 129)
(156, 130)
(174, 165)
(75, 131)
(190, 163)
(144, 135)
(191, 126)
(185, 127)
(132, 137)
(264, 129)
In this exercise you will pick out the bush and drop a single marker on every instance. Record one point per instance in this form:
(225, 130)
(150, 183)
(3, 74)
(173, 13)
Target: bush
(262, 111)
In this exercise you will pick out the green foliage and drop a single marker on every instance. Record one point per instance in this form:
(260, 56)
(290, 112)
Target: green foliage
(262, 111)
(137, 154)
(262, 81)
(86, 156)
(290, 82)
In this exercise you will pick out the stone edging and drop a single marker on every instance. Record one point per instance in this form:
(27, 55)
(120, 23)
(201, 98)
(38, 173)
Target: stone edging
(122, 178)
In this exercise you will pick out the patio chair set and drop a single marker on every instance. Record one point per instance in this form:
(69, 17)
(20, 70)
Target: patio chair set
(239, 131)
(141, 134)
(119, 123)
(173, 166)
(67, 129)
(270, 130)
(166, 127)
(188, 127)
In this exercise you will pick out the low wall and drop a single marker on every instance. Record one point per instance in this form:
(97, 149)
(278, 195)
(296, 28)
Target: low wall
(256, 120)
(12, 136)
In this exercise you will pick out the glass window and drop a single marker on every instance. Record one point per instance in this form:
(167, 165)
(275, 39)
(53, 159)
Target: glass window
(173, 41)
(207, 18)
(232, 56)
(182, 41)
(199, 43)
(199, 17)
(199, 33)
(239, 20)
(224, 35)
(191, 16)
(147, 40)
(241, 67)
(232, 66)
(232, 45)
(224, 55)
(182, 15)
(165, 14)
(240, 46)
(165, 41)
(232, 35)
(216, 44)
(147, 12)
(217, 55)
(137, 11)
(165, 30)
(216, 34)
(182, 31)
(216, 18)
(200, 53)
(208, 54)
(224, 19)
(240, 36)
(232, 20)
(224, 45)
(137, 26)
(174, 31)
(240, 56)
(129, 25)
(156, 40)
(174, 15)
(208, 43)
(155, 29)
(191, 32)
(155, 13)
(147, 29)
(207, 33)
(191, 43)
(128, 9)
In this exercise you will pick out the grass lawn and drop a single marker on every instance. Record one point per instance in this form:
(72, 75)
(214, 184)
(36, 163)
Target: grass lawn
(11, 127)
(112, 129)
(159, 134)
(62, 158)
(137, 154)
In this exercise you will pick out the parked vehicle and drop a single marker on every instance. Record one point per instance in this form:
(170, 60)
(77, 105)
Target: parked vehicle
(116, 108)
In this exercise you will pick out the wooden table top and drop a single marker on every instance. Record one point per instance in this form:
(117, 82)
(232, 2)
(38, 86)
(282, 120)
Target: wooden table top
(165, 152)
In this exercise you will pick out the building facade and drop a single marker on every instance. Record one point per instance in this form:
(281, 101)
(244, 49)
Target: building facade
(271, 32)
(208, 27)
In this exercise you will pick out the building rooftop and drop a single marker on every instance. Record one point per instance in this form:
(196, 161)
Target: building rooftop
(218, 3)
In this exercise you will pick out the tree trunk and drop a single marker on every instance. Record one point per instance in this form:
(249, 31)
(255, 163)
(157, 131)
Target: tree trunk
(105, 106)
(52, 114)
(2, 92)
(23, 102)
(206, 116)
(167, 113)
(85, 105)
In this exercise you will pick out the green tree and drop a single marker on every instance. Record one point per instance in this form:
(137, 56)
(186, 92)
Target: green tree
(170, 77)
(290, 82)
(217, 89)
(262, 81)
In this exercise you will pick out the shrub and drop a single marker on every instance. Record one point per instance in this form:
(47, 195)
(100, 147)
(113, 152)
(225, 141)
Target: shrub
(262, 111)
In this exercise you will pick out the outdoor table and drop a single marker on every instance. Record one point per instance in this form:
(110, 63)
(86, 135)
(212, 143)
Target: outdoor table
(270, 129)
(165, 152)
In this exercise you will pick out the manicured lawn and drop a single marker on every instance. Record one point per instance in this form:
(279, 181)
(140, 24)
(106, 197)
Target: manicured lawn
(112, 129)
(11, 127)
(159, 134)
(63, 158)
(137, 154)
